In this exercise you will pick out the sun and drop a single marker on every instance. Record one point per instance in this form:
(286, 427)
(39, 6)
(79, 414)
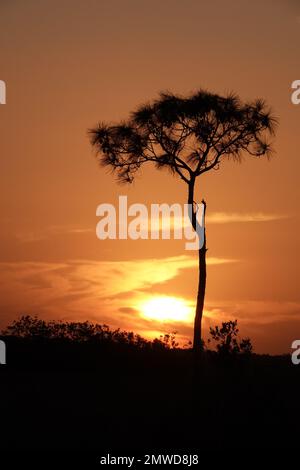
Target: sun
(163, 308)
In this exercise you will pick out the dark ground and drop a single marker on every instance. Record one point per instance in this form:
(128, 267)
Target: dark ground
(74, 396)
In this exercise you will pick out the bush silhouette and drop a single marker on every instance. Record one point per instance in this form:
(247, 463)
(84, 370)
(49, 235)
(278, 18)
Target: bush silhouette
(227, 341)
(84, 332)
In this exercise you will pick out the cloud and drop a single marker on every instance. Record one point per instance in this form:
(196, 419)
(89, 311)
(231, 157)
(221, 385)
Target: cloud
(110, 292)
(225, 217)
(258, 312)
(180, 221)
(86, 288)
(170, 224)
(50, 232)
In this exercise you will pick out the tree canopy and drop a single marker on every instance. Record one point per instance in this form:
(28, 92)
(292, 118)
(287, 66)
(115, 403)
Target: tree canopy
(187, 136)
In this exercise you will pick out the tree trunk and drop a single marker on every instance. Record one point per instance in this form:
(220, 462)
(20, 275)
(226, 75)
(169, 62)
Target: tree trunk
(197, 343)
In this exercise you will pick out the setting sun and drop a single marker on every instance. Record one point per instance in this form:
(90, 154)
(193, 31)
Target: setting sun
(166, 308)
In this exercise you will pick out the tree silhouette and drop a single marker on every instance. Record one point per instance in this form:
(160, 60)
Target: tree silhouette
(227, 341)
(188, 136)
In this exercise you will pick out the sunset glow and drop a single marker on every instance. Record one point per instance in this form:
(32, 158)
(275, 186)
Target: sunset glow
(166, 309)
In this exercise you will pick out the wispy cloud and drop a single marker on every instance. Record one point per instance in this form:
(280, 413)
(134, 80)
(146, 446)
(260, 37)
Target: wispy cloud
(234, 217)
(176, 221)
(258, 312)
(50, 232)
(86, 288)
(111, 292)
(169, 223)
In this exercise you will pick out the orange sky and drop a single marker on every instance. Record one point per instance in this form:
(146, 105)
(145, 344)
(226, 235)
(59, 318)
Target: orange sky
(69, 64)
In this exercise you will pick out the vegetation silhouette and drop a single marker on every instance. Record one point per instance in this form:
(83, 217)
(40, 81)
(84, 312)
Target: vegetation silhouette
(188, 136)
(34, 328)
(37, 329)
(227, 341)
